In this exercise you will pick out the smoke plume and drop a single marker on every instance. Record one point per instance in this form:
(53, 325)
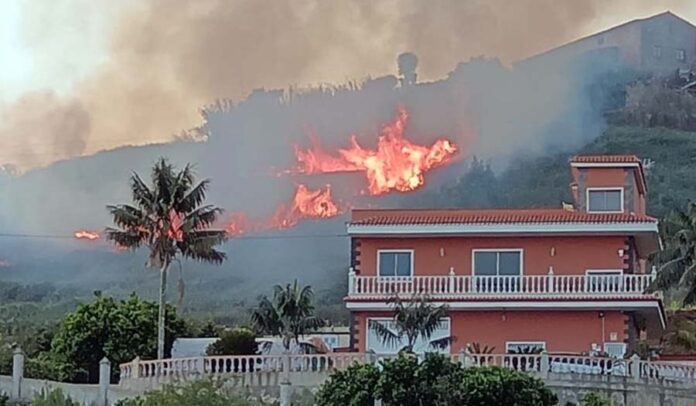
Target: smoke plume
(164, 59)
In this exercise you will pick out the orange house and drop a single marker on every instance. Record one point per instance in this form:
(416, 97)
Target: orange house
(570, 280)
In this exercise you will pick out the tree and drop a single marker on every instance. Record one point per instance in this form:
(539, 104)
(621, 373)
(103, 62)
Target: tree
(434, 381)
(290, 315)
(240, 341)
(170, 219)
(119, 330)
(413, 319)
(677, 261)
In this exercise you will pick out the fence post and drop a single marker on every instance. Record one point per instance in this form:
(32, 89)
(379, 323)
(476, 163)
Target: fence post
(135, 365)
(450, 286)
(104, 381)
(544, 365)
(285, 385)
(17, 373)
(634, 367)
(351, 280)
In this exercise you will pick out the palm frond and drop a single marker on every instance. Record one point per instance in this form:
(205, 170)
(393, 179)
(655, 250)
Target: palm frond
(443, 343)
(125, 239)
(388, 337)
(194, 197)
(201, 218)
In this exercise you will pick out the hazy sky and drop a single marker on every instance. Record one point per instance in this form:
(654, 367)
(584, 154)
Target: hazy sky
(77, 76)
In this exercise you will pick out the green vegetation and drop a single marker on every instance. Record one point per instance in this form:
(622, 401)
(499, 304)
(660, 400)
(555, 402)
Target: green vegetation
(543, 181)
(595, 399)
(290, 315)
(413, 319)
(197, 392)
(239, 341)
(170, 219)
(678, 259)
(55, 397)
(118, 330)
(353, 386)
(404, 381)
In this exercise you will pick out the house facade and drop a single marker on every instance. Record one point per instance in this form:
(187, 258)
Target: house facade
(661, 43)
(568, 280)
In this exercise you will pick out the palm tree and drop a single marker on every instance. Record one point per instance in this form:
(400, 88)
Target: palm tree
(413, 319)
(169, 218)
(289, 315)
(677, 261)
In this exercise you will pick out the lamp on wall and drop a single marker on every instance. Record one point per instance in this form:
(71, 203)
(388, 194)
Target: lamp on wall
(620, 251)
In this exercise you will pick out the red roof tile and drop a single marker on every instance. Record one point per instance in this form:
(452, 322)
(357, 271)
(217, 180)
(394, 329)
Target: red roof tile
(606, 159)
(492, 216)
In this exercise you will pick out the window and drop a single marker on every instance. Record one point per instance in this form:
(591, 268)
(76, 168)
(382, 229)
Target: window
(395, 262)
(497, 262)
(615, 350)
(657, 51)
(375, 344)
(605, 200)
(681, 55)
(525, 347)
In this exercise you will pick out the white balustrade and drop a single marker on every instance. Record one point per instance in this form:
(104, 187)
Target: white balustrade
(525, 285)
(325, 364)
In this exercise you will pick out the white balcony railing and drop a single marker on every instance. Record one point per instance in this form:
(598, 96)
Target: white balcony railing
(525, 285)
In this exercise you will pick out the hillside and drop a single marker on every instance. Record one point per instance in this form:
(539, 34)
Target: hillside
(543, 181)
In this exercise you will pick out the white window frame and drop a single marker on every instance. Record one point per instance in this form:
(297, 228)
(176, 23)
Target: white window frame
(475, 250)
(391, 319)
(604, 189)
(526, 343)
(681, 55)
(411, 252)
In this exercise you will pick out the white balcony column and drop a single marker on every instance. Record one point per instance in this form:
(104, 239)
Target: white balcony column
(550, 281)
(451, 280)
(351, 280)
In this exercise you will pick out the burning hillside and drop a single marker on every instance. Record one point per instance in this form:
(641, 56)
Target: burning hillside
(396, 164)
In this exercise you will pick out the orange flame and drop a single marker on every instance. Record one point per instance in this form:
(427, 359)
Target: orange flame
(305, 203)
(86, 235)
(396, 164)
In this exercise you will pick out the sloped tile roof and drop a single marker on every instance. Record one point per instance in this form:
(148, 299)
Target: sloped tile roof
(606, 159)
(493, 216)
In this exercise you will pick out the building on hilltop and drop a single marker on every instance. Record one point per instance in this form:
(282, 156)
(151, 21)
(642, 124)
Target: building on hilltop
(661, 44)
(569, 280)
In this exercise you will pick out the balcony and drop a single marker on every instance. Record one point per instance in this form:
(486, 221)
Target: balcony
(467, 287)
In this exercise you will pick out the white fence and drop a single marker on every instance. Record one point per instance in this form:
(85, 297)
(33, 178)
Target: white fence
(627, 285)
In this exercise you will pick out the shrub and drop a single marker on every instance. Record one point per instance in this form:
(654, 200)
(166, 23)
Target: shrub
(198, 392)
(595, 399)
(404, 381)
(500, 386)
(240, 341)
(55, 397)
(351, 387)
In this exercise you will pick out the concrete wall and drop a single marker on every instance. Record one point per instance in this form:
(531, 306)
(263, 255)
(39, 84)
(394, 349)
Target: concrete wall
(568, 387)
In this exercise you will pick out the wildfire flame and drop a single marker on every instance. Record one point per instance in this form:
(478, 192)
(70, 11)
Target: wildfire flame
(396, 164)
(305, 203)
(86, 235)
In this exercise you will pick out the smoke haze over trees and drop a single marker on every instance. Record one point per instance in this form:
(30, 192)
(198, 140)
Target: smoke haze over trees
(141, 69)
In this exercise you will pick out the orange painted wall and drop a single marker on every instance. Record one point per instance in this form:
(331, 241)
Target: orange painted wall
(609, 177)
(563, 331)
(573, 255)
